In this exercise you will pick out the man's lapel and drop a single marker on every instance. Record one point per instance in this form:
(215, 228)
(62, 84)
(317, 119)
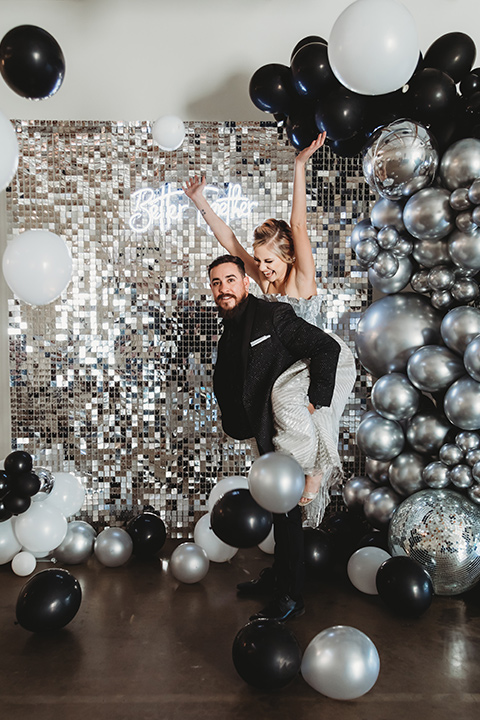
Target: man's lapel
(247, 332)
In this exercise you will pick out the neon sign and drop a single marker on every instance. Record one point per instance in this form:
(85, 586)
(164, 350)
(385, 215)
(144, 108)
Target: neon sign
(166, 206)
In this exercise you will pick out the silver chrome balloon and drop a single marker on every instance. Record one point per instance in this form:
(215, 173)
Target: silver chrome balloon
(451, 454)
(441, 299)
(189, 563)
(459, 199)
(403, 247)
(356, 490)
(392, 328)
(367, 250)
(440, 529)
(419, 281)
(385, 264)
(428, 215)
(471, 358)
(276, 482)
(476, 215)
(461, 476)
(459, 327)
(405, 473)
(434, 367)
(388, 237)
(441, 277)
(467, 441)
(474, 192)
(460, 164)
(380, 506)
(362, 230)
(393, 284)
(435, 475)
(465, 290)
(427, 432)
(113, 547)
(476, 472)
(464, 221)
(387, 212)
(77, 545)
(430, 253)
(380, 438)
(394, 397)
(462, 403)
(473, 493)
(377, 470)
(464, 248)
(472, 457)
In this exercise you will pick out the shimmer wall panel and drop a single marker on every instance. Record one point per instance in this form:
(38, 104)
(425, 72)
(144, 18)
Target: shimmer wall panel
(113, 380)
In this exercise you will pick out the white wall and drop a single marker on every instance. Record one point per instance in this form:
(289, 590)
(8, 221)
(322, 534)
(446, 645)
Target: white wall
(139, 59)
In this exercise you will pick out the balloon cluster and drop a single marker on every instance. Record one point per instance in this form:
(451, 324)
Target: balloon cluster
(18, 483)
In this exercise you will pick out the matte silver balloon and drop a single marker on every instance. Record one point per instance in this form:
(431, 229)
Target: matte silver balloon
(393, 284)
(113, 547)
(441, 299)
(189, 563)
(451, 454)
(387, 212)
(459, 199)
(471, 358)
(400, 159)
(461, 476)
(462, 403)
(435, 475)
(367, 250)
(377, 470)
(276, 482)
(428, 215)
(430, 253)
(473, 493)
(476, 472)
(403, 247)
(419, 281)
(380, 506)
(405, 473)
(394, 397)
(460, 164)
(385, 264)
(434, 367)
(78, 544)
(380, 438)
(356, 490)
(388, 237)
(459, 327)
(464, 248)
(464, 221)
(465, 290)
(472, 457)
(441, 277)
(474, 192)
(467, 441)
(341, 662)
(427, 432)
(362, 230)
(392, 328)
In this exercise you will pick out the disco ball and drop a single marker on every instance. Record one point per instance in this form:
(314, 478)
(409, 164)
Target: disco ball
(440, 529)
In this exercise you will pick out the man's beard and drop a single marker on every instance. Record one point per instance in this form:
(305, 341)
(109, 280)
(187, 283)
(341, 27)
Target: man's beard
(232, 312)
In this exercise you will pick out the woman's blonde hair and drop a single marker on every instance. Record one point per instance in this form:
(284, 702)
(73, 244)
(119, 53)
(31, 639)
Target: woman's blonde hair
(278, 233)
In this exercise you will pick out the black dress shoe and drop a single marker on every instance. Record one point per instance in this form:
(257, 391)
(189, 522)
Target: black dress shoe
(281, 609)
(264, 584)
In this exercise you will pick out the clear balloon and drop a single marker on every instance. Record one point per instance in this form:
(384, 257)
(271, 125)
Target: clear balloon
(189, 563)
(113, 547)
(363, 566)
(24, 563)
(460, 164)
(459, 327)
(462, 403)
(276, 482)
(434, 367)
(428, 215)
(341, 662)
(216, 549)
(406, 473)
(168, 132)
(77, 545)
(68, 493)
(9, 154)
(41, 528)
(394, 397)
(380, 438)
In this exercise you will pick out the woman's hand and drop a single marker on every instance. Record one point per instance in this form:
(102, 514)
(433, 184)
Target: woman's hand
(307, 152)
(193, 187)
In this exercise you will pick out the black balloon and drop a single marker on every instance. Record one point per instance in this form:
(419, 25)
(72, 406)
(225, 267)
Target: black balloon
(318, 553)
(31, 62)
(342, 114)
(348, 148)
(148, 534)
(4, 513)
(470, 83)
(48, 601)
(453, 53)
(312, 74)
(4, 484)
(345, 530)
(374, 538)
(271, 88)
(240, 521)
(301, 128)
(405, 586)
(16, 504)
(17, 463)
(306, 41)
(266, 654)
(26, 485)
(431, 95)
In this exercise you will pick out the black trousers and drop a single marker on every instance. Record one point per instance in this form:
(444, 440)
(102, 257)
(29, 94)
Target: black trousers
(289, 565)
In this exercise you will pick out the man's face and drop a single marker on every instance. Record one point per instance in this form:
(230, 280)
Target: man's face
(229, 287)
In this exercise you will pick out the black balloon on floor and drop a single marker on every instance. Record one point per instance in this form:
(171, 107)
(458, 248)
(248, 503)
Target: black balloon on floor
(266, 654)
(48, 601)
(148, 534)
(318, 553)
(240, 521)
(405, 586)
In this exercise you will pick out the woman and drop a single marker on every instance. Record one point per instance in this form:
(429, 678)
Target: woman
(283, 266)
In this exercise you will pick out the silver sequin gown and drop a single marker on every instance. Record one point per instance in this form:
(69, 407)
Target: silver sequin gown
(312, 439)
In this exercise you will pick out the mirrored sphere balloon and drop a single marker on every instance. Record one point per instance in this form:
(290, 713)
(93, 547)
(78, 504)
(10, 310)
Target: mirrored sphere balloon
(78, 544)
(460, 164)
(465, 290)
(385, 264)
(380, 506)
(440, 529)
(341, 662)
(113, 547)
(189, 563)
(428, 215)
(471, 358)
(394, 397)
(398, 281)
(434, 367)
(459, 199)
(451, 454)
(459, 327)
(377, 470)
(276, 482)
(356, 490)
(400, 159)
(431, 253)
(426, 432)
(405, 473)
(467, 441)
(380, 438)
(461, 476)
(392, 328)
(462, 403)
(464, 248)
(387, 212)
(435, 475)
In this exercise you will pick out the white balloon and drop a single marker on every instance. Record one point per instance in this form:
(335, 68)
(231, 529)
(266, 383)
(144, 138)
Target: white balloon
(41, 528)
(9, 545)
(268, 545)
(68, 493)
(363, 566)
(37, 266)
(225, 485)
(8, 152)
(216, 549)
(373, 47)
(168, 132)
(24, 563)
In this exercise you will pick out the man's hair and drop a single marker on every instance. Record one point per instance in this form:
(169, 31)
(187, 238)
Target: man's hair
(228, 259)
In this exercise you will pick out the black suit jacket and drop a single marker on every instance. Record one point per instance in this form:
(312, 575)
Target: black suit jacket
(273, 339)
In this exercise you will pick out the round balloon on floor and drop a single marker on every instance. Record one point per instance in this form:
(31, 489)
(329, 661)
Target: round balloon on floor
(239, 520)
(189, 563)
(405, 586)
(363, 566)
(48, 601)
(148, 534)
(216, 549)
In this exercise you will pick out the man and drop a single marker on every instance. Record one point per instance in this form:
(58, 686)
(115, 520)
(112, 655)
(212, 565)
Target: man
(260, 341)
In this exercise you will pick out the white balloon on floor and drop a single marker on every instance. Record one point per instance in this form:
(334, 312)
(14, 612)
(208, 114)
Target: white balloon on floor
(362, 568)
(268, 545)
(216, 549)
(24, 563)
(225, 485)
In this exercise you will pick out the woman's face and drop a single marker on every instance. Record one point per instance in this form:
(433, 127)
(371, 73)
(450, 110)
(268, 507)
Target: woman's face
(269, 264)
